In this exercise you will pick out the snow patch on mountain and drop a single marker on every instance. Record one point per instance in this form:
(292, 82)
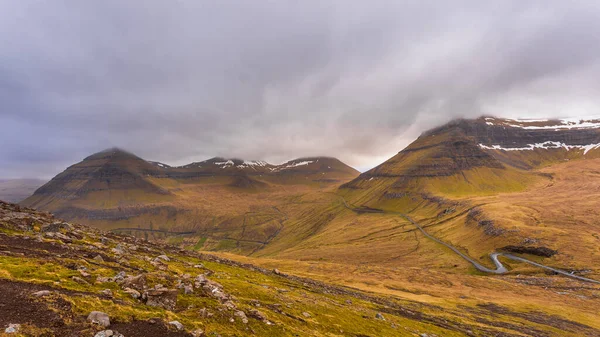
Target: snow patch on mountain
(544, 145)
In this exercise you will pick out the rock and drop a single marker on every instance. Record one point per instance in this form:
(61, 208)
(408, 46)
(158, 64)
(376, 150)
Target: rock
(204, 313)
(138, 282)
(379, 316)
(257, 314)
(134, 293)
(12, 328)
(41, 293)
(164, 298)
(79, 280)
(98, 258)
(198, 333)
(199, 266)
(99, 317)
(349, 302)
(229, 305)
(188, 289)
(84, 273)
(276, 271)
(177, 325)
(108, 333)
(306, 314)
(56, 227)
(107, 293)
(162, 257)
(118, 250)
(242, 316)
(102, 279)
(120, 277)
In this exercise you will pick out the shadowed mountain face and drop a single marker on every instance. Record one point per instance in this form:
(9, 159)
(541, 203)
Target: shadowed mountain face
(116, 189)
(489, 146)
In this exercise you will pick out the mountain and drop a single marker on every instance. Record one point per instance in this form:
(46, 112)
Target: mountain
(215, 199)
(484, 155)
(15, 190)
(460, 224)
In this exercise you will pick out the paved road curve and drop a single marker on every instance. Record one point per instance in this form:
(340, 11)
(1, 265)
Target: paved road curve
(500, 268)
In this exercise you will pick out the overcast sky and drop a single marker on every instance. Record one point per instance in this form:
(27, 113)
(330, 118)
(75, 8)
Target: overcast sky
(182, 81)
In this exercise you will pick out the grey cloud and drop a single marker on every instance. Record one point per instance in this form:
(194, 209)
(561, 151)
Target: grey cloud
(179, 81)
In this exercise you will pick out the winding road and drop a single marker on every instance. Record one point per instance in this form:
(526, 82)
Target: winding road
(500, 268)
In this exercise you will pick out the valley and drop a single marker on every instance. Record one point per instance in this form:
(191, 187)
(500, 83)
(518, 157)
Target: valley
(489, 225)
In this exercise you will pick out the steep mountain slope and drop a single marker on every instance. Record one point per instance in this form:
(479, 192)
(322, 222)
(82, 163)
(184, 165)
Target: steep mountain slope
(15, 190)
(480, 156)
(231, 203)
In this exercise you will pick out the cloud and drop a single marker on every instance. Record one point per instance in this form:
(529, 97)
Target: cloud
(178, 81)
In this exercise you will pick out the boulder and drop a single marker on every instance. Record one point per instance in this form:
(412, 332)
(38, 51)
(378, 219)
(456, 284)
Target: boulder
(41, 293)
(108, 333)
(98, 258)
(242, 316)
(177, 325)
(12, 328)
(138, 282)
(99, 317)
(134, 293)
(379, 316)
(198, 333)
(163, 258)
(164, 298)
(107, 292)
(56, 227)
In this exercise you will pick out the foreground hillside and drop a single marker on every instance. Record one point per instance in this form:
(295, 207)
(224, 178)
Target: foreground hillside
(63, 279)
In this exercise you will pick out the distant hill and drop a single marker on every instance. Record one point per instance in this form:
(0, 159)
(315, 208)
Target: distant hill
(216, 198)
(16, 190)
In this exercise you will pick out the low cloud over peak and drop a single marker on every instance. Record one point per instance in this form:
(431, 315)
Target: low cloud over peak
(189, 80)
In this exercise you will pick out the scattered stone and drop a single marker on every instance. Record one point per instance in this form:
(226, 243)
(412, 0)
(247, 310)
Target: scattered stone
(138, 282)
(102, 279)
(108, 333)
(162, 257)
(379, 316)
(276, 271)
(84, 273)
(56, 227)
(165, 298)
(188, 289)
(177, 325)
(98, 258)
(349, 302)
(199, 266)
(79, 280)
(204, 313)
(306, 314)
(242, 316)
(41, 293)
(120, 277)
(118, 250)
(198, 333)
(107, 293)
(258, 315)
(99, 317)
(229, 305)
(134, 293)
(12, 328)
